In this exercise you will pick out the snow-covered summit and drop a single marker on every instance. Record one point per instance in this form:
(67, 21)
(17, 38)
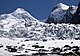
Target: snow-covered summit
(61, 13)
(18, 18)
(63, 6)
(19, 13)
(57, 13)
(22, 14)
(20, 10)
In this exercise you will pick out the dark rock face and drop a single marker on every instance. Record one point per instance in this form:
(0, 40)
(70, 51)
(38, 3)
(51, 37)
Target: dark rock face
(66, 47)
(36, 46)
(20, 55)
(78, 9)
(76, 17)
(75, 48)
(68, 16)
(11, 49)
(1, 45)
(50, 20)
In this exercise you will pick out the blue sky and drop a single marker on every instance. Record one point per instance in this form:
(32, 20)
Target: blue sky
(38, 8)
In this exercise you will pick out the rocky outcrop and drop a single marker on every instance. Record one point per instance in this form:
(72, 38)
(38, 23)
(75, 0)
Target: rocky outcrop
(76, 17)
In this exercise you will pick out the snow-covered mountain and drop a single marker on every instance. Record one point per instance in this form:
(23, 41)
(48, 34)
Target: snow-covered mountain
(20, 24)
(61, 13)
(18, 18)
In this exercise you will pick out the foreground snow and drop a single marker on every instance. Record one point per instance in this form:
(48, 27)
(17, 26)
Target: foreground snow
(24, 47)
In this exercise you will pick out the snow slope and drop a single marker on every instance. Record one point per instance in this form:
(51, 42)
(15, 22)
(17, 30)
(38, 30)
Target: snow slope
(26, 47)
(16, 19)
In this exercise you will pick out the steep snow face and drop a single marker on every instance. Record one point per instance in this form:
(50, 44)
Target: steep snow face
(58, 13)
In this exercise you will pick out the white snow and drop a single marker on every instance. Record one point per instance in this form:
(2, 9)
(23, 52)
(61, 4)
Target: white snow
(20, 10)
(28, 45)
(63, 6)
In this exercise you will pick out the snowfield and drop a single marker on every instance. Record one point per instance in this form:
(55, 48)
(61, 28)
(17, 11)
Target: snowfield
(21, 46)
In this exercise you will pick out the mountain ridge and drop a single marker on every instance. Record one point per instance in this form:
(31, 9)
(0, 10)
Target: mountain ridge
(21, 24)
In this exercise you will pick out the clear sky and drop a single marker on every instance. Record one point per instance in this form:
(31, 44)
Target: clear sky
(38, 8)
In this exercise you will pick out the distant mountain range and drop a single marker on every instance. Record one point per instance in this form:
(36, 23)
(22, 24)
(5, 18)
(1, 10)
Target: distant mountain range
(20, 24)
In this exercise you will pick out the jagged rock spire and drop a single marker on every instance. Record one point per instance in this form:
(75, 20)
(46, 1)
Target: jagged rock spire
(78, 9)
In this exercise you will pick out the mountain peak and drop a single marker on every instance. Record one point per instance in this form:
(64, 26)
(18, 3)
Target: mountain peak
(20, 13)
(20, 10)
(60, 4)
(63, 6)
